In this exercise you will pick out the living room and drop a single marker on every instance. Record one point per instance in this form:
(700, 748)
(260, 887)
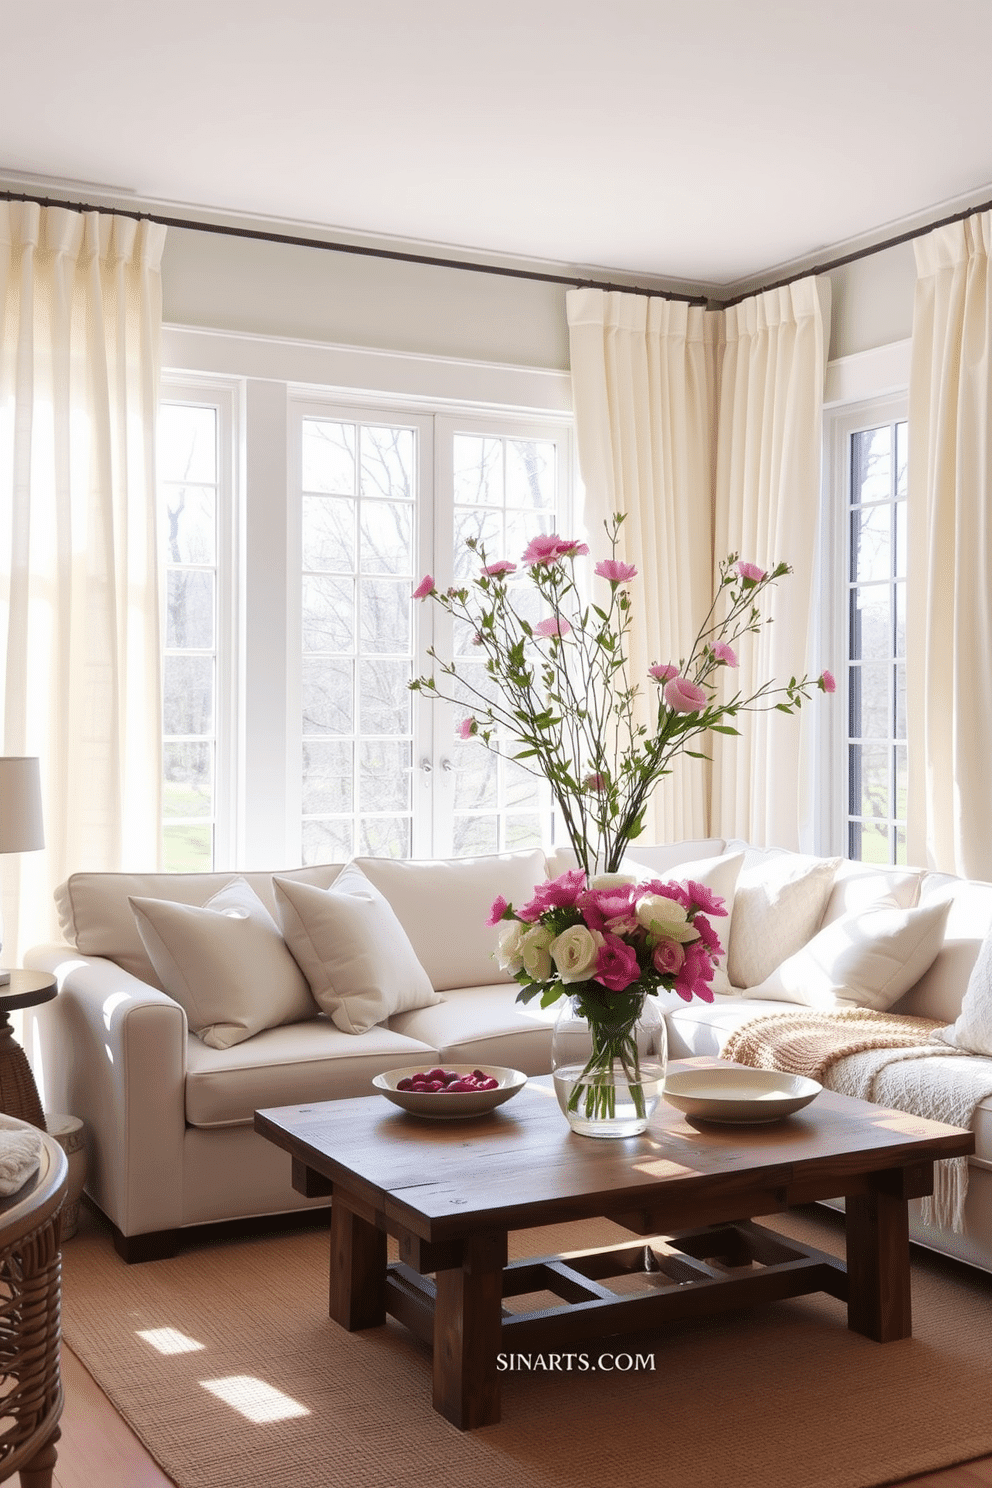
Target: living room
(403, 235)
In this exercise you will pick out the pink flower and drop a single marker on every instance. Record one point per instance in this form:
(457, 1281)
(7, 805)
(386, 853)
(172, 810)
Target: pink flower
(675, 891)
(683, 696)
(466, 728)
(696, 973)
(608, 909)
(827, 682)
(723, 652)
(663, 671)
(702, 897)
(549, 548)
(552, 626)
(750, 573)
(668, 957)
(555, 893)
(596, 782)
(498, 569)
(616, 964)
(707, 935)
(500, 906)
(615, 571)
(425, 587)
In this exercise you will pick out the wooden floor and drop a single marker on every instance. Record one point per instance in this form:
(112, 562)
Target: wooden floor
(98, 1450)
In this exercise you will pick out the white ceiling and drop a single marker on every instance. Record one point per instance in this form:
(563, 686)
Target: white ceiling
(703, 141)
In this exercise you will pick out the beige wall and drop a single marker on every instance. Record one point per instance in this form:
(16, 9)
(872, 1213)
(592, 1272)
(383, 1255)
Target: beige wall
(239, 284)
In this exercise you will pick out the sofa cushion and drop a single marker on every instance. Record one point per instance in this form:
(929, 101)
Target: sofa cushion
(485, 1025)
(95, 916)
(778, 907)
(859, 885)
(867, 959)
(225, 963)
(352, 949)
(972, 1029)
(939, 993)
(292, 1065)
(443, 906)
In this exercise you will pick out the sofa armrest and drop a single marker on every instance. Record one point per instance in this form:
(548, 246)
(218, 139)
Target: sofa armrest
(112, 1051)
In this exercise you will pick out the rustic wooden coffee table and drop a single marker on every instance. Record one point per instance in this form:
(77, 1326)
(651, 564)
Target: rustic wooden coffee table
(450, 1191)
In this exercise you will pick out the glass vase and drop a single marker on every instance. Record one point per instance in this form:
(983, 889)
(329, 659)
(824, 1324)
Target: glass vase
(608, 1056)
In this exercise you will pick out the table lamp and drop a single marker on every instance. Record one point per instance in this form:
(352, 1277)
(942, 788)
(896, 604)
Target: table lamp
(20, 812)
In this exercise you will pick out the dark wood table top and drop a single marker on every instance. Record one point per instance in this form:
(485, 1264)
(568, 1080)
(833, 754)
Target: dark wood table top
(521, 1165)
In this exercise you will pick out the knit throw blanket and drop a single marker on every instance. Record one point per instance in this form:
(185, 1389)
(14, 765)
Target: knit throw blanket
(888, 1059)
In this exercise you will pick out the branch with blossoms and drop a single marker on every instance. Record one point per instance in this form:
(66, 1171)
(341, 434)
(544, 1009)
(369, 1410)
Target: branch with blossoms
(565, 701)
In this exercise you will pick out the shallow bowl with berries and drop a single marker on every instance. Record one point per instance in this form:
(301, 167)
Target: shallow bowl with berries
(449, 1091)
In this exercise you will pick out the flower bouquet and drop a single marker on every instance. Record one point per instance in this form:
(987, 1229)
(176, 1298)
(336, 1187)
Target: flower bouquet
(609, 945)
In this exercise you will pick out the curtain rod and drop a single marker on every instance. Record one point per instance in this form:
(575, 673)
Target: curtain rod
(356, 248)
(859, 253)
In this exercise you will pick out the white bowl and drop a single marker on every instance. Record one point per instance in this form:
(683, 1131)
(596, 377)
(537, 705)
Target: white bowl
(442, 1105)
(742, 1095)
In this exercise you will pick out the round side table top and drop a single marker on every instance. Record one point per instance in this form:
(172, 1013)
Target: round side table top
(26, 989)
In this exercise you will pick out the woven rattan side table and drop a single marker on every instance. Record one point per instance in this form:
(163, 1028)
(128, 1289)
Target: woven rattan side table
(18, 1092)
(31, 1321)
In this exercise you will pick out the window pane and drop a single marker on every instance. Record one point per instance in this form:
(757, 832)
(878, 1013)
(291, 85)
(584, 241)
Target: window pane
(191, 524)
(871, 543)
(327, 841)
(188, 787)
(384, 836)
(387, 463)
(187, 444)
(385, 775)
(188, 849)
(871, 625)
(328, 535)
(476, 835)
(189, 609)
(487, 530)
(386, 616)
(384, 698)
(328, 696)
(874, 781)
(875, 843)
(871, 465)
(478, 468)
(189, 695)
(328, 457)
(328, 775)
(328, 614)
(531, 468)
(387, 538)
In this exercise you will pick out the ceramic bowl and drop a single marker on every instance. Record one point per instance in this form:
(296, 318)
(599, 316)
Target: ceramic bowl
(444, 1106)
(736, 1094)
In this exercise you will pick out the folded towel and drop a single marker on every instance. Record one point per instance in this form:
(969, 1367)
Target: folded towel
(20, 1154)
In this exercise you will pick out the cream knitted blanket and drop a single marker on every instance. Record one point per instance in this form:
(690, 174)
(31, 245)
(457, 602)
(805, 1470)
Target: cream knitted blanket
(885, 1058)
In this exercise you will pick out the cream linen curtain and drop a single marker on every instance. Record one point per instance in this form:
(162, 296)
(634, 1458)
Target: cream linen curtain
(767, 508)
(80, 319)
(643, 379)
(704, 428)
(949, 573)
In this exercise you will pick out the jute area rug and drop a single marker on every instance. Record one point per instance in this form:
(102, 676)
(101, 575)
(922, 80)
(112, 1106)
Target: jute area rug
(270, 1394)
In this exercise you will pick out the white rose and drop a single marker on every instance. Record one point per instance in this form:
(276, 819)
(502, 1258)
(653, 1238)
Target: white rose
(575, 952)
(665, 917)
(534, 952)
(611, 880)
(507, 951)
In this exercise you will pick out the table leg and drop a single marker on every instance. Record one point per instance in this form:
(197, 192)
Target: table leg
(468, 1333)
(358, 1268)
(878, 1299)
(39, 1471)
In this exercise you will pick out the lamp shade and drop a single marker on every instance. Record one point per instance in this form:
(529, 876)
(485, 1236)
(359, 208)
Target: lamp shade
(21, 827)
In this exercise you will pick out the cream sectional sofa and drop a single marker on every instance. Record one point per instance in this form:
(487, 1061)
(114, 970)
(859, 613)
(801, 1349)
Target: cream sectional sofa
(169, 1117)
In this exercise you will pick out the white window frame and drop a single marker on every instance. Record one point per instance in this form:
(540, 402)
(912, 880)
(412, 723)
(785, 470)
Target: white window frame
(258, 381)
(840, 423)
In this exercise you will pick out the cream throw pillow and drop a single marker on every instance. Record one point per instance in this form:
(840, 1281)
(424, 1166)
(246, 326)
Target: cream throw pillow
(352, 950)
(443, 905)
(778, 907)
(972, 1029)
(719, 874)
(869, 959)
(225, 963)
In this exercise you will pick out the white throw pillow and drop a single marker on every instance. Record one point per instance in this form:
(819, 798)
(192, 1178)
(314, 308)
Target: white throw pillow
(443, 905)
(352, 950)
(225, 963)
(720, 875)
(778, 907)
(868, 959)
(972, 1029)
